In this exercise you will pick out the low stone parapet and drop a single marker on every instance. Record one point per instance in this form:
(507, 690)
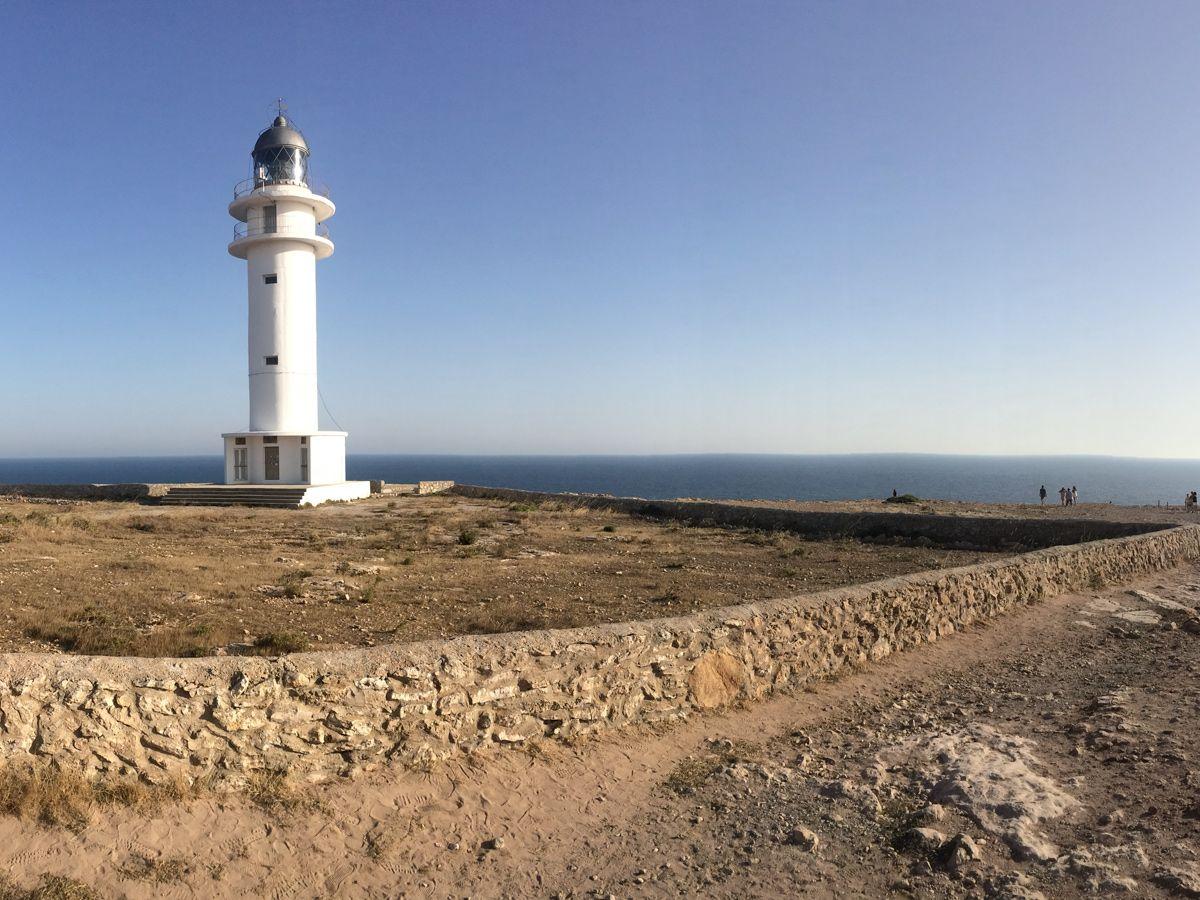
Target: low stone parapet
(325, 714)
(957, 532)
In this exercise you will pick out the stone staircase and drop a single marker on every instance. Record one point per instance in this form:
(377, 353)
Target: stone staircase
(289, 497)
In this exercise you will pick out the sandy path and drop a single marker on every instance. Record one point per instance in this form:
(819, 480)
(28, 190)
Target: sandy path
(595, 819)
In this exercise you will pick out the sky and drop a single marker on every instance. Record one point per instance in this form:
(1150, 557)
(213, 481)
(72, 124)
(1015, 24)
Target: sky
(619, 227)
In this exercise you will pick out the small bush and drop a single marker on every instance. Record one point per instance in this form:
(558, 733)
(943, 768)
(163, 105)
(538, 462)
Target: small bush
(276, 643)
(368, 594)
(903, 498)
(609, 528)
(468, 536)
(144, 525)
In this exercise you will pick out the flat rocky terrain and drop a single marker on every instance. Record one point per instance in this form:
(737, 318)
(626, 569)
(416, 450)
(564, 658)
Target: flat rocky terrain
(1053, 752)
(131, 580)
(1173, 515)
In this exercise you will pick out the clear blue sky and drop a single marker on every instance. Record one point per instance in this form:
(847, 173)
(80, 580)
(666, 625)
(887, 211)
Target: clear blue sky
(617, 227)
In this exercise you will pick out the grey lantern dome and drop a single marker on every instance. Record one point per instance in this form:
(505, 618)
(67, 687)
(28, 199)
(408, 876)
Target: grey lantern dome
(280, 155)
(280, 134)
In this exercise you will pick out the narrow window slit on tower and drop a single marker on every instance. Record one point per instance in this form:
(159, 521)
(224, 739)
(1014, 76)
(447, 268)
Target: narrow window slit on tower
(271, 360)
(270, 279)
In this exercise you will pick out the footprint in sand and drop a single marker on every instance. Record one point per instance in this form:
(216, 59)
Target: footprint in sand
(287, 887)
(25, 857)
(140, 849)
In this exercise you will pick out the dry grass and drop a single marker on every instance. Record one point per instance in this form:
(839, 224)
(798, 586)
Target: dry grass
(693, 771)
(161, 870)
(123, 579)
(41, 793)
(277, 792)
(51, 887)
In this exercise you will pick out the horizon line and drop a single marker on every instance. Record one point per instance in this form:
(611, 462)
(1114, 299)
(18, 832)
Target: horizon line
(665, 454)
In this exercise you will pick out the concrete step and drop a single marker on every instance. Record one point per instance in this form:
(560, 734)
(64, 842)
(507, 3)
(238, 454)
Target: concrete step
(281, 497)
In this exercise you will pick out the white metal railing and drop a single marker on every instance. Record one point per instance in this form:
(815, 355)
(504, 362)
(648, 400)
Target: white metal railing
(250, 185)
(258, 229)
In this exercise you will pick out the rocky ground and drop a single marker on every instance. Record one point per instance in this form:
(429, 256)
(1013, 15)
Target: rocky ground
(1053, 752)
(1175, 515)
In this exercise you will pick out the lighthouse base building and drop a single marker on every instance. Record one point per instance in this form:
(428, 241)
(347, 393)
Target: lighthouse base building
(280, 233)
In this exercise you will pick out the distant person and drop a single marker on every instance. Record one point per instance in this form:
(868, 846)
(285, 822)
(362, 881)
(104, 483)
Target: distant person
(1062, 496)
(1074, 495)
(1042, 494)
(893, 492)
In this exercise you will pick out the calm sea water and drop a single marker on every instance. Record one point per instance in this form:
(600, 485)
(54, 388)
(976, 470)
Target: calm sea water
(992, 479)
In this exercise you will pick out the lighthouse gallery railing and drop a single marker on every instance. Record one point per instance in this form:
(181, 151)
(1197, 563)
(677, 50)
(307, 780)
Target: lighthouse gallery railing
(245, 230)
(250, 185)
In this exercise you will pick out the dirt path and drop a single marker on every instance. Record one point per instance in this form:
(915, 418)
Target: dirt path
(1060, 746)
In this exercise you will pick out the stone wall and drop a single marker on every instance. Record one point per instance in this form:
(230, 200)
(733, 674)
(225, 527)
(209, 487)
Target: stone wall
(84, 491)
(958, 532)
(323, 714)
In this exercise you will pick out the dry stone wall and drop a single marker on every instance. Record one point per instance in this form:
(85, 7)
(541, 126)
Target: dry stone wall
(135, 492)
(959, 532)
(325, 714)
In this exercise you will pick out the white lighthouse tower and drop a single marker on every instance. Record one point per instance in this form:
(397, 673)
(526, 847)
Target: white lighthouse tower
(281, 234)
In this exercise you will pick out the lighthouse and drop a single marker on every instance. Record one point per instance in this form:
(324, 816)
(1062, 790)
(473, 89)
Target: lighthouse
(281, 234)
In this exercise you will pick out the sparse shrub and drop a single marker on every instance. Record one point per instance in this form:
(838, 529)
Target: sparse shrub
(368, 594)
(276, 792)
(144, 525)
(609, 528)
(407, 561)
(903, 498)
(161, 871)
(276, 643)
(51, 887)
(497, 619)
(691, 773)
(468, 536)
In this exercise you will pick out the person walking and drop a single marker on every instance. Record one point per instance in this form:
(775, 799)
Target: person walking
(1062, 496)
(1074, 495)
(1042, 494)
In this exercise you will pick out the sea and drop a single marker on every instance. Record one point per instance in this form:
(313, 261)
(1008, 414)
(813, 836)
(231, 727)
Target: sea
(992, 479)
